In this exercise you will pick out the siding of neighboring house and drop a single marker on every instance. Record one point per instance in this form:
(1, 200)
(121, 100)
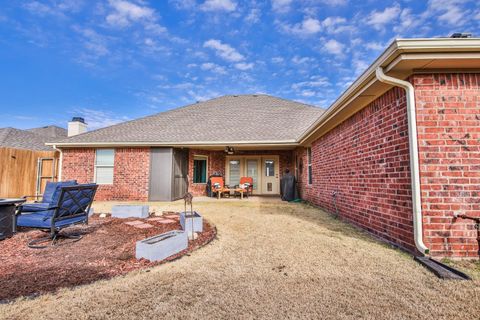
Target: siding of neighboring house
(130, 178)
(365, 160)
(448, 121)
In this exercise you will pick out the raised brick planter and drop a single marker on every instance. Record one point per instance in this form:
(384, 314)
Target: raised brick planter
(186, 222)
(129, 211)
(162, 246)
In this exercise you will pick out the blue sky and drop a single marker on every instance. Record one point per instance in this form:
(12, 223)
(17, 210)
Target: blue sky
(114, 60)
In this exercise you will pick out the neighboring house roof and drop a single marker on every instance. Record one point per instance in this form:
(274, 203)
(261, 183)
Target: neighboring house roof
(50, 131)
(29, 139)
(231, 119)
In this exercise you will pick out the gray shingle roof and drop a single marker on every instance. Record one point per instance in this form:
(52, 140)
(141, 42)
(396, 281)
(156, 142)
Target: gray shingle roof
(50, 131)
(249, 118)
(32, 139)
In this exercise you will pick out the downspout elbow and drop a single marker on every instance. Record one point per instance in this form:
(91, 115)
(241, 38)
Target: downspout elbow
(414, 158)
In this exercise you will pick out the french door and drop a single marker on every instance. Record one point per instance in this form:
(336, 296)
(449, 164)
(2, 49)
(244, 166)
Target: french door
(263, 169)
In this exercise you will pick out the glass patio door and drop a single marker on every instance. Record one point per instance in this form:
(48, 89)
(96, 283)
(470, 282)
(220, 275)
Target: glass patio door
(234, 172)
(252, 171)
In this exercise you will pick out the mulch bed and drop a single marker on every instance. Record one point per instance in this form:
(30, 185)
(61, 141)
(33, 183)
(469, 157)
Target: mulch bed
(106, 250)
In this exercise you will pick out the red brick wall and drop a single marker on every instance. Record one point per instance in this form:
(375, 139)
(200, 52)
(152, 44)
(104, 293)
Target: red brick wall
(448, 122)
(216, 163)
(130, 178)
(365, 160)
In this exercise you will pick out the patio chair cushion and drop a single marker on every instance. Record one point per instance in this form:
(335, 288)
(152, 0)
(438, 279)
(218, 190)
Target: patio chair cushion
(34, 207)
(71, 209)
(52, 187)
(42, 220)
(58, 191)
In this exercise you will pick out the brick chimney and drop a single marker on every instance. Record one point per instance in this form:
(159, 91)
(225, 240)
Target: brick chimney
(76, 126)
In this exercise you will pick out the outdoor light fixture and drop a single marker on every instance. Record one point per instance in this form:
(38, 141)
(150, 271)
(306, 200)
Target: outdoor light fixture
(229, 150)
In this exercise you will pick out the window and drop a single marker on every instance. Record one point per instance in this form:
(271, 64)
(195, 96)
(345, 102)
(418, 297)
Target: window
(309, 159)
(199, 169)
(104, 166)
(269, 168)
(234, 172)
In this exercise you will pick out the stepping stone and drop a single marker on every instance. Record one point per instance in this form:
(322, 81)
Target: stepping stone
(143, 226)
(134, 223)
(156, 219)
(166, 221)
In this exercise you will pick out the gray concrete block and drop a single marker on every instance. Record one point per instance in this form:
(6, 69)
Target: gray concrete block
(162, 246)
(186, 222)
(129, 211)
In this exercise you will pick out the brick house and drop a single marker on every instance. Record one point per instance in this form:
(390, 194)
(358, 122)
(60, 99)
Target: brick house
(398, 153)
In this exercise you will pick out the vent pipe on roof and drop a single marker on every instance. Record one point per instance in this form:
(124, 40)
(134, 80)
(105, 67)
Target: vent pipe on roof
(461, 35)
(414, 163)
(76, 126)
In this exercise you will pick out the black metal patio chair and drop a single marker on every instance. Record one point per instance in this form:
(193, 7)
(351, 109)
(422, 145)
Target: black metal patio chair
(72, 208)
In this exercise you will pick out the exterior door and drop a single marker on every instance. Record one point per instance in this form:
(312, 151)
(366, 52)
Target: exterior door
(252, 171)
(270, 174)
(234, 172)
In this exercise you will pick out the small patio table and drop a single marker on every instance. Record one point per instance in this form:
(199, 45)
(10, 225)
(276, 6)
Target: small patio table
(7, 216)
(234, 190)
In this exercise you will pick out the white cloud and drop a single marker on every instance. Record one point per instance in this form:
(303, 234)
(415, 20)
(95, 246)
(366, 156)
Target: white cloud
(378, 19)
(334, 47)
(244, 66)
(253, 16)
(408, 21)
(278, 60)
(314, 82)
(98, 118)
(95, 43)
(124, 13)
(302, 60)
(376, 46)
(57, 9)
(184, 4)
(203, 95)
(210, 66)
(219, 5)
(336, 25)
(307, 93)
(281, 6)
(359, 66)
(308, 26)
(449, 11)
(224, 51)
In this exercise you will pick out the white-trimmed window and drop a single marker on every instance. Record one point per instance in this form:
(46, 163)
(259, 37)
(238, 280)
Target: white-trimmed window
(200, 165)
(104, 162)
(309, 164)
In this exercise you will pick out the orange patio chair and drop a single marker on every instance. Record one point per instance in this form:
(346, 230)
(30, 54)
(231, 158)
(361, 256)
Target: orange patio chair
(218, 186)
(249, 181)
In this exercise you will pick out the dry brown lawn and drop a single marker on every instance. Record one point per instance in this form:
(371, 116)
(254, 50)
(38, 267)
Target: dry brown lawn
(271, 260)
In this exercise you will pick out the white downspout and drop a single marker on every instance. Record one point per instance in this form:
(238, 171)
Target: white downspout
(414, 163)
(60, 163)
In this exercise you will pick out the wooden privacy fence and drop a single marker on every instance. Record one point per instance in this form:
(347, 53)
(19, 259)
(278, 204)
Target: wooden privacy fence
(25, 172)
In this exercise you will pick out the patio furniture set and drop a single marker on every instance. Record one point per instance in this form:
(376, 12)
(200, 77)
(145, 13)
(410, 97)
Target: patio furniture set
(67, 203)
(63, 204)
(244, 188)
